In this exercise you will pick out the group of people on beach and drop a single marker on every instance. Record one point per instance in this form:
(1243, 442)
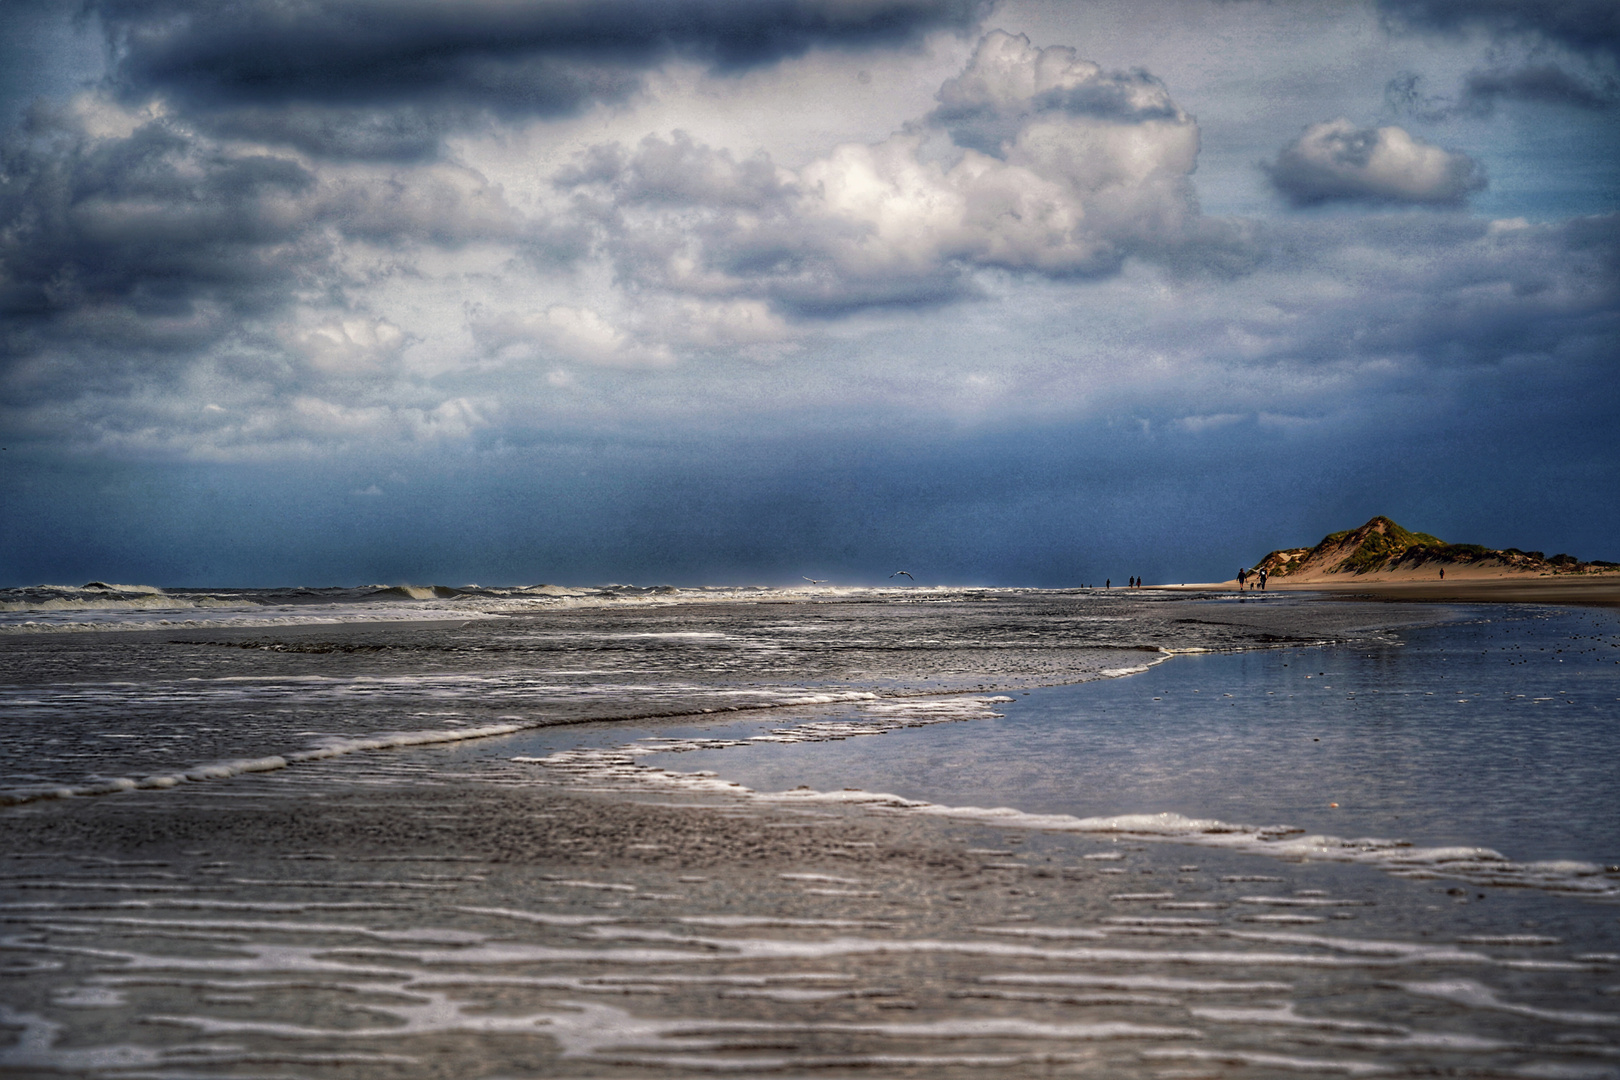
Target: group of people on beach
(1251, 579)
(1135, 583)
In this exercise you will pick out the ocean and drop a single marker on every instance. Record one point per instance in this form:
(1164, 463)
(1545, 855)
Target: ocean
(620, 832)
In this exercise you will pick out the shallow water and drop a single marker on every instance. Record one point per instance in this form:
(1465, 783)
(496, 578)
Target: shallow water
(90, 709)
(1501, 729)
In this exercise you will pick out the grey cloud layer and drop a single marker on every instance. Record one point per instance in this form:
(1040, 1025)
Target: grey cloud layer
(385, 79)
(1589, 26)
(1550, 52)
(1438, 293)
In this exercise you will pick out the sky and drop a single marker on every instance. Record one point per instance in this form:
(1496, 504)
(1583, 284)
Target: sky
(742, 291)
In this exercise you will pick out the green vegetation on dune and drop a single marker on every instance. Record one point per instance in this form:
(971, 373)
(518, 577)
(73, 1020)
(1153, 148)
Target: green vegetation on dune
(1376, 546)
(1381, 544)
(1378, 543)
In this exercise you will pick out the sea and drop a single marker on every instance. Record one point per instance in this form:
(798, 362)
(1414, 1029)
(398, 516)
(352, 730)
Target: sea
(624, 831)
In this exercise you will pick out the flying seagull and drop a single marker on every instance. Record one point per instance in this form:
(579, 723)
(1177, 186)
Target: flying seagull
(815, 580)
(897, 573)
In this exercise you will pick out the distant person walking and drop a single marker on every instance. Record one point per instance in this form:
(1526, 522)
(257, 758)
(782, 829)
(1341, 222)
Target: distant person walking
(1243, 577)
(1108, 583)
(1442, 573)
(1263, 576)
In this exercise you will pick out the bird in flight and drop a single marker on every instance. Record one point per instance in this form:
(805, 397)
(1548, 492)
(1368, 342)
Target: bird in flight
(814, 580)
(897, 573)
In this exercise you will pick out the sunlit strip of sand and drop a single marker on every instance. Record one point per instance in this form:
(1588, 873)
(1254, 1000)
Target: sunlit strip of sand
(1597, 589)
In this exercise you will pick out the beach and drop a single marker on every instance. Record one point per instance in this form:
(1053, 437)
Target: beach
(517, 846)
(1456, 587)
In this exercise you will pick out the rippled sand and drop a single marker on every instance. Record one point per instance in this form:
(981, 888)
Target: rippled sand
(554, 922)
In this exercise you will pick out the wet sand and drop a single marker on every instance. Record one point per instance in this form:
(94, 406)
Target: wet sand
(425, 926)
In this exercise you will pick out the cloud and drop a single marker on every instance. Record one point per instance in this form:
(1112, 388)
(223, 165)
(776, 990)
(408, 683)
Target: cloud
(1583, 26)
(308, 420)
(564, 332)
(142, 262)
(1009, 82)
(1549, 52)
(1034, 162)
(142, 245)
(1444, 295)
(1337, 161)
(1483, 89)
(1541, 83)
(349, 348)
(149, 265)
(351, 79)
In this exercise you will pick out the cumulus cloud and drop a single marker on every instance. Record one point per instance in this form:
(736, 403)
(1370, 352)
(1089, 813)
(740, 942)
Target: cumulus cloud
(137, 224)
(1337, 161)
(383, 79)
(1034, 161)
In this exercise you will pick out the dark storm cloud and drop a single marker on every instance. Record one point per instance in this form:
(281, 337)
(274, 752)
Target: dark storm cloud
(127, 258)
(149, 230)
(1584, 26)
(404, 133)
(1482, 90)
(1544, 83)
(1585, 32)
(385, 78)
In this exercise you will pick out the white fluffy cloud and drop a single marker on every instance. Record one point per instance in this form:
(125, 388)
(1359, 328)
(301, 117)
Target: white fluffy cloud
(1338, 161)
(1035, 161)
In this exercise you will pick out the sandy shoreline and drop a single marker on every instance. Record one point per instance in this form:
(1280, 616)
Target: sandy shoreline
(1595, 589)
